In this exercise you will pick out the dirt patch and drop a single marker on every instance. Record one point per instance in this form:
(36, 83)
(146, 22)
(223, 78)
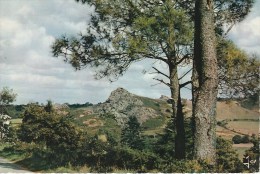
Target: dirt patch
(93, 122)
(248, 145)
(82, 115)
(88, 112)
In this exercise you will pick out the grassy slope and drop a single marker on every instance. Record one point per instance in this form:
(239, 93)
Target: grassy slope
(239, 119)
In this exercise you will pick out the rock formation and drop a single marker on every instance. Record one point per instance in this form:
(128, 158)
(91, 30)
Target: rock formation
(122, 104)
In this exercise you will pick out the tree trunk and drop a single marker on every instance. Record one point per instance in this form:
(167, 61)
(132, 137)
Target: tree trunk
(205, 82)
(177, 114)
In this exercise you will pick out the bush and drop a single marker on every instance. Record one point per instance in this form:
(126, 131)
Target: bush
(237, 139)
(245, 139)
(227, 158)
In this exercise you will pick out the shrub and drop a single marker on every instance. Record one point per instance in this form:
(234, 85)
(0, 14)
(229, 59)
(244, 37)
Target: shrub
(227, 158)
(245, 139)
(237, 139)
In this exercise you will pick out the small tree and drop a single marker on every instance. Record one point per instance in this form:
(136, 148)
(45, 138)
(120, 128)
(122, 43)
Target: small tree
(245, 139)
(131, 134)
(227, 158)
(55, 131)
(7, 96)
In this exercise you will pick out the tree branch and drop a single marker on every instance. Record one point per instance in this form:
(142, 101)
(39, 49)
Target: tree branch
(159, 72)
(185, 74)
(184, 84)
(160, 80)
(183, 58)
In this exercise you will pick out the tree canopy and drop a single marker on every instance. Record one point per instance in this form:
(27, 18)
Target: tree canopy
(238, 71)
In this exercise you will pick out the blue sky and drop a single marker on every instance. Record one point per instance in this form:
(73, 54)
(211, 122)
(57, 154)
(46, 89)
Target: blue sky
(29, 27)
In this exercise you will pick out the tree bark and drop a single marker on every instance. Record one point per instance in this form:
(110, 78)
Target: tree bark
(177, 115)
(205, 82)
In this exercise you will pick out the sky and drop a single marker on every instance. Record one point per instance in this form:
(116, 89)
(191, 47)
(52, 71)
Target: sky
(29, 27)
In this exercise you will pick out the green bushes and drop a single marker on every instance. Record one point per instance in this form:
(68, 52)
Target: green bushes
(253, 154)
(237, 139)
(227, 158)
(52, 141)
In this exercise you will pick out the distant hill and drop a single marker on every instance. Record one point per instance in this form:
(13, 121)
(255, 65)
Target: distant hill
(122, 104)
(153, 114)
(232, 116)
(234, 119)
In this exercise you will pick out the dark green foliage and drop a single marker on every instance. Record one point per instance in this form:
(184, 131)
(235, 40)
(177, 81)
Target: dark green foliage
(237, 139)
(42, 125)
(165, 145)
(14, 111)
(245, 139)
(75, 106)
(222, 123)
(131, 134)
(252, 101)
(132, 159)
(253, 154)
(49, 107)
(154, 123)
(227, 158)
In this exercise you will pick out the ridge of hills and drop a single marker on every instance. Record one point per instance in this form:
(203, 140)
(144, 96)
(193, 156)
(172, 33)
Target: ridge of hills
(153, 114)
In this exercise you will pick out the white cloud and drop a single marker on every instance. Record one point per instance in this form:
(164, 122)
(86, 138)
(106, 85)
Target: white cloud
(246, 33)
(29, 27)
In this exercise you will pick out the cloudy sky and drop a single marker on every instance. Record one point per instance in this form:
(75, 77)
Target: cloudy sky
(29, 27)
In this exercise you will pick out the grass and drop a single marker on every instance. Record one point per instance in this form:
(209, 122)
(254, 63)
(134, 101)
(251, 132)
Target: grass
(245, 127)
(16, 122)
(241, 151)
(23, 157)
(150, 103)
(11, 155)
(154, 123)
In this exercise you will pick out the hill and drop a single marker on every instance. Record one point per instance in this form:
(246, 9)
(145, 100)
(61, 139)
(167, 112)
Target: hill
(153, 114)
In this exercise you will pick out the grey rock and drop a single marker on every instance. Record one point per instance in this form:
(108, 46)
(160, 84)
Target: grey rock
(122, 104)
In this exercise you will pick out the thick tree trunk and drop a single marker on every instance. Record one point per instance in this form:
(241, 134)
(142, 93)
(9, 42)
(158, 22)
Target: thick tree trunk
(177, 116)
(205, 82)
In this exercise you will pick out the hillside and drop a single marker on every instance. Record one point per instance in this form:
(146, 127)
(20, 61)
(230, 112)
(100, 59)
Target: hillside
(153, 114)
(107, 119)
(121, 104)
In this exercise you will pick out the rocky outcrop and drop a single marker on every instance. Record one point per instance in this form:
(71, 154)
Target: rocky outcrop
(122, 104)
(166, 98)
